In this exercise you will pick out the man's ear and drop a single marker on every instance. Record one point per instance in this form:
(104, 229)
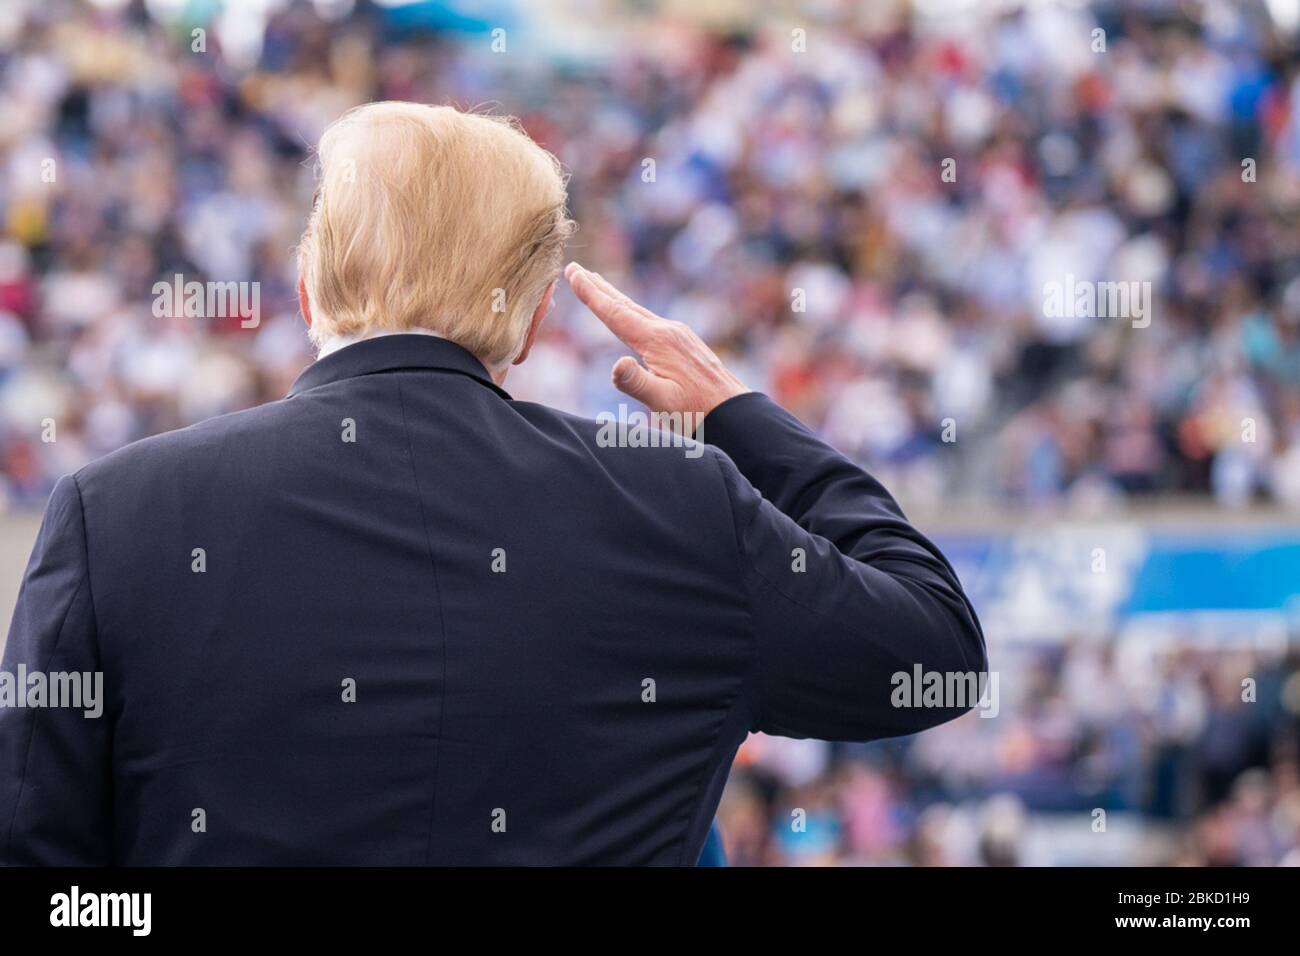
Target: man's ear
(303, 304)
(539, 313)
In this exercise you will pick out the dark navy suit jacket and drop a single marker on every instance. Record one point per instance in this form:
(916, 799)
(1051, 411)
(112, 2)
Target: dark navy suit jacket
(470, 635)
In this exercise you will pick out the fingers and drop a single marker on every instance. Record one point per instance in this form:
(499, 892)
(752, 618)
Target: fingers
(614, 293)
(633, 380)
(683, 374)
(620, 314)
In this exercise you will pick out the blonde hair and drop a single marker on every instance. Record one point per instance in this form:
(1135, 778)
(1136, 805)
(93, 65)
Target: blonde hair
(428, 217)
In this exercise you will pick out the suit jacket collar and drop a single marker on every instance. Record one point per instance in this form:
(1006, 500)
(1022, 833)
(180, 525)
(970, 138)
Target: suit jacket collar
(390, 353)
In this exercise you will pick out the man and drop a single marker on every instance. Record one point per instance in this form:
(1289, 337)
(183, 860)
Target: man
(400, 618)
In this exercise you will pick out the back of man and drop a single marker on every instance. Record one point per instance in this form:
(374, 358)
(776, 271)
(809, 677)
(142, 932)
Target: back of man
(400, 618)
(397, 618)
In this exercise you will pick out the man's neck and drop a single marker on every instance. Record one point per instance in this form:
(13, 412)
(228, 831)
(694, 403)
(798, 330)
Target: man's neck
(337, 342)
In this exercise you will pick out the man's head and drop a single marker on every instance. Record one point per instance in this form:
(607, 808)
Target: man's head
(430, 218)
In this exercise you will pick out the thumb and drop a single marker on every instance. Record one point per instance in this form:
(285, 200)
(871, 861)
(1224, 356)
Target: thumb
(632, 379)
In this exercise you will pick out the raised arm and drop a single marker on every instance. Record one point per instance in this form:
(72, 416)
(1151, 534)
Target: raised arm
(846, 594)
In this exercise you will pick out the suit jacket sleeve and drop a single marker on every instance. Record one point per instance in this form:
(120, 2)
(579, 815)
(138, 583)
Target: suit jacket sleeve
(844, 593)
(54, 761)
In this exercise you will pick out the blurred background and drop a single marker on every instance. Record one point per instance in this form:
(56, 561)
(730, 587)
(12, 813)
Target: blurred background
(1122, 502)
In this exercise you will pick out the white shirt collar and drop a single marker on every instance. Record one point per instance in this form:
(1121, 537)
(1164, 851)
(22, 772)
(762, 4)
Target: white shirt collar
(333, 344)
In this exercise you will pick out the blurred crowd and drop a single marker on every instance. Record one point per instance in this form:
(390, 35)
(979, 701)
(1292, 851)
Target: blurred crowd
(861, 210)
(1179, 757)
